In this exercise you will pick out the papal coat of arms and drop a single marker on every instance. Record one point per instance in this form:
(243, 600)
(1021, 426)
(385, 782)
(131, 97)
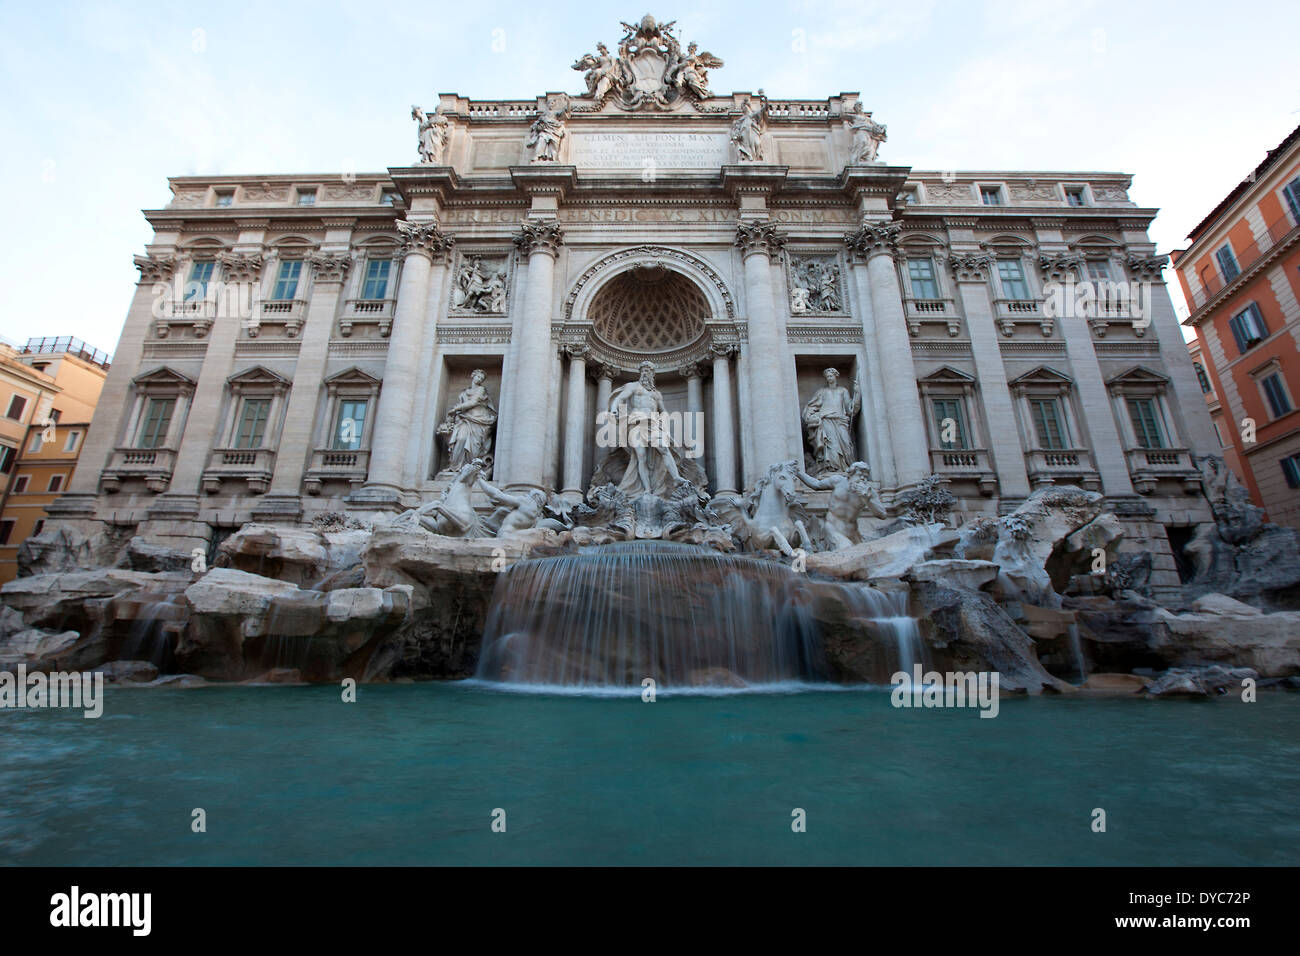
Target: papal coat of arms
(651, 70)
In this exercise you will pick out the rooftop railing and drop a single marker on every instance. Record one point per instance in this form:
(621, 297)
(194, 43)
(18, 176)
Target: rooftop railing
(65, 343)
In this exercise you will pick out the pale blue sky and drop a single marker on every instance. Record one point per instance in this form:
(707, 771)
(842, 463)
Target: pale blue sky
(103, 102)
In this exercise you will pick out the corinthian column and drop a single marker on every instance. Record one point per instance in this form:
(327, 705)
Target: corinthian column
(296, 438)
(724, 423)
(423, 245)
(540, 241)
(877, 243)
(758, 242)
(104, 434)
(575, 426)
(970, 271)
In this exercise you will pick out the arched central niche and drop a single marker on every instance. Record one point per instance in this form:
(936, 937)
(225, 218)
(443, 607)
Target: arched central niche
(649, 309)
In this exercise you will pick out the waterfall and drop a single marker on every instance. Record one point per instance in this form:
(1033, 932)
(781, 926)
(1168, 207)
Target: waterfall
(617, 614)
(887, 610)
(154, 632)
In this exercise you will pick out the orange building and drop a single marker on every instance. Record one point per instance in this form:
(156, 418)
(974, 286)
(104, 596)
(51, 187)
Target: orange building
(49, 389)
(1241, 279)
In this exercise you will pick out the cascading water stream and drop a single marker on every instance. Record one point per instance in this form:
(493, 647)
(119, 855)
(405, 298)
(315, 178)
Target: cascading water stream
(888, 611)
(614, 615)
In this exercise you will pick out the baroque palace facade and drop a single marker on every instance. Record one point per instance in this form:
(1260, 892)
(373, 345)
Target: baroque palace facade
(302, 344)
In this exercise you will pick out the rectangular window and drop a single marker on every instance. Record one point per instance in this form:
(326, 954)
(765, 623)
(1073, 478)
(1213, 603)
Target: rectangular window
(921, 274)
(17, 405)
(20, 484)
(306, 197)
(286, 281)
(387, 197)
(56, 483)
(252, 422)
(1291, 471)
(1012, 276)
(1075, 196)
(991, 195)
(1248, 327)
(1292, 194)
(1203, 378)
(1275, 392)
(157, 420)
(951, 422)
(225, 199)
(1218, 433)
(351, 425)
(6, 530)
(200, 275)
(70, 443)
(38, 527)
(1047, 423)
(7, 455)
(1227, 263)
(376, 279)
(1099, 270)
(1146, 425)
(38, 441)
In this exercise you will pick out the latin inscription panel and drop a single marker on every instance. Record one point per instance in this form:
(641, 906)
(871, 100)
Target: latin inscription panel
(648, 150)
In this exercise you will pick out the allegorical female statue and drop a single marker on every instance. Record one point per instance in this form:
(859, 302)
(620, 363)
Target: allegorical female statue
(828, 421)
(467, 429)
(747, 131)
(867, 136)
(435, 130)
(547, 131)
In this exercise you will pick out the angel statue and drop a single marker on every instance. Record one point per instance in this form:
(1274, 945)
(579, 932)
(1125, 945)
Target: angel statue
(547, 131)
(692, 73)
(435, 131)
(867, 136)
(603, 72)
(747, 130)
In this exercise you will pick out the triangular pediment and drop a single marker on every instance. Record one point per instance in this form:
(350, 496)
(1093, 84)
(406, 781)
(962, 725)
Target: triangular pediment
(257, 375)
(948, 376)
(352, 376)
(1043, 375)
(162, 376)
(1138, 375)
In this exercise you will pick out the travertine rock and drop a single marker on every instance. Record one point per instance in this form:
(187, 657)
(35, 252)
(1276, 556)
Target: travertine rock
(890, 556)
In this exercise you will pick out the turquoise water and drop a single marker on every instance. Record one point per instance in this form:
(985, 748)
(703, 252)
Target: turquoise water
(410, 774)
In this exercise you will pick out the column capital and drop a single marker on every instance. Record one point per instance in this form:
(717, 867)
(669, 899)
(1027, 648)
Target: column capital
(760, 237)
(540, 236)
(330, 267)
(691, 370)
(1058, 266)
(575, 352)
(241, 267)
(970, 266)
(874, 239)
(1146, 268)
(424, 238)
(155, 268)
(722, 351)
